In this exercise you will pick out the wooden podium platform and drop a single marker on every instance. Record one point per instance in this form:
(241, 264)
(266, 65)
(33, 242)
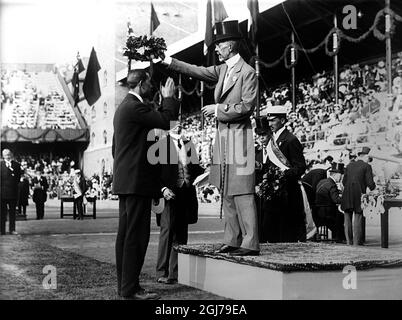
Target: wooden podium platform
(290, 271)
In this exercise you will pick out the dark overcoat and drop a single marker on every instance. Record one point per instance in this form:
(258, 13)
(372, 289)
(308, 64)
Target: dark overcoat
(9, 180)
(133, 170)
(358, 177)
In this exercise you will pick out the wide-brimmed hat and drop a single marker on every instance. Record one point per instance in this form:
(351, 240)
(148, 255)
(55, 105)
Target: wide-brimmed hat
(262, 126)
(275, 111)
(227, 30)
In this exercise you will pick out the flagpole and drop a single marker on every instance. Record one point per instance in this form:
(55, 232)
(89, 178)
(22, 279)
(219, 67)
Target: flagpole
(257, 71)
(336, 66)
(293, 60)
(151, 28)
(388, 52)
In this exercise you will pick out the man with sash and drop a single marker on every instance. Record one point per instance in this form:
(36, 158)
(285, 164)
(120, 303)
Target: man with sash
(284, 216)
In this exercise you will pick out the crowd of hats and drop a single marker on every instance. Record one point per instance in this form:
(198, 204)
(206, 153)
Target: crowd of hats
(318, 119)
(34, 100)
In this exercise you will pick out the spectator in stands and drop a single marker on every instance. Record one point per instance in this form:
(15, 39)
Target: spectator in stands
(40, 186)
(10, 176)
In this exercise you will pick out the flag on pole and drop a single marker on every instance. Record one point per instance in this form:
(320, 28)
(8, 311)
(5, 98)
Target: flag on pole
(154, 19)
(252, 6)
(75, 81)
(215, 13)
(91, 86)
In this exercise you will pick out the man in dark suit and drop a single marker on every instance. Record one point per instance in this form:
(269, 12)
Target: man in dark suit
(261, 162)
(235, 99)
(311, 179)
(10, 177)
(181, 204)
(39, 196)
(135, 178)
(327, 199)
(358, 177)
(284, 217)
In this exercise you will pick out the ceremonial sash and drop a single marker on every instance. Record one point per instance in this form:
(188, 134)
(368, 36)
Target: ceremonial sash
(276, 156)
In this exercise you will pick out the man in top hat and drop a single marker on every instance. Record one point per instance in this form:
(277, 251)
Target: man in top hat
(284, 219)
(261, 161)
(233, 161)
(358, 177)
(327, 199)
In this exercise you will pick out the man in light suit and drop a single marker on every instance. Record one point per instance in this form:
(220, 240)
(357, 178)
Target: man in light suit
(134, 177)
(233, 161)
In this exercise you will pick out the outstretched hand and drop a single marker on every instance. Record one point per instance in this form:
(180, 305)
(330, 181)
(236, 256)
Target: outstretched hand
(168, 89)
(209, 110)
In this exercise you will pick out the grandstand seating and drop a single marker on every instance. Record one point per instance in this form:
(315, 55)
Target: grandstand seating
(35, 100)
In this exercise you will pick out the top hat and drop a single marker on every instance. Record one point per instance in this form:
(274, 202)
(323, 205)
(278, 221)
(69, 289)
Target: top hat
(363, 150)
(275, 111)
(337, 167)
(262, 127)
(227, 30)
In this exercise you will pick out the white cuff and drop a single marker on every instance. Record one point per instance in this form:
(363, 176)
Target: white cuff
(163, 189)
(167, 60)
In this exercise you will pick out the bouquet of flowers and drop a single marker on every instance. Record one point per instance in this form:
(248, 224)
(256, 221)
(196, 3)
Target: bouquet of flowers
(272, 184)
(143, 48)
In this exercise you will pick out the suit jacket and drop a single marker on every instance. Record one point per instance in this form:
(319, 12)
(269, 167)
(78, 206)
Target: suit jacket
(169, 175)
(327, 198)
(236, 104)
(9, 180)
(259, 170)
(310, 181)
(357, 178)
(327, 194)
(133, 121)
(39, 194)
(23, 192)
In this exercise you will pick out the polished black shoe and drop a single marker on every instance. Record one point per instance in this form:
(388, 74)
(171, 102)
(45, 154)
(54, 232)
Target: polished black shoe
(244, 252)
(225, 249)
(142, 295)
(166, 280)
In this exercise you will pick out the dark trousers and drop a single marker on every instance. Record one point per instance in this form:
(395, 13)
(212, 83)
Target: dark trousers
(22, 209)
(40, 210)
(174, 231)
(7, 206)
(132, 241)
(78, 203)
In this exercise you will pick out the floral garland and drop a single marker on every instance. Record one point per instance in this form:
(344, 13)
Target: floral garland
(373, 203)
(143, 48)
(272, 185)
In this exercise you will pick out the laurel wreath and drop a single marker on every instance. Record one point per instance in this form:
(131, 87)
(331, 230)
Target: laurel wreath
(143, 48)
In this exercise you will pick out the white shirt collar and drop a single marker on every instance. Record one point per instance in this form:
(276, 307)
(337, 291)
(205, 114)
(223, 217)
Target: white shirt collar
(232, 61)
(278, 133)
(136, 95)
